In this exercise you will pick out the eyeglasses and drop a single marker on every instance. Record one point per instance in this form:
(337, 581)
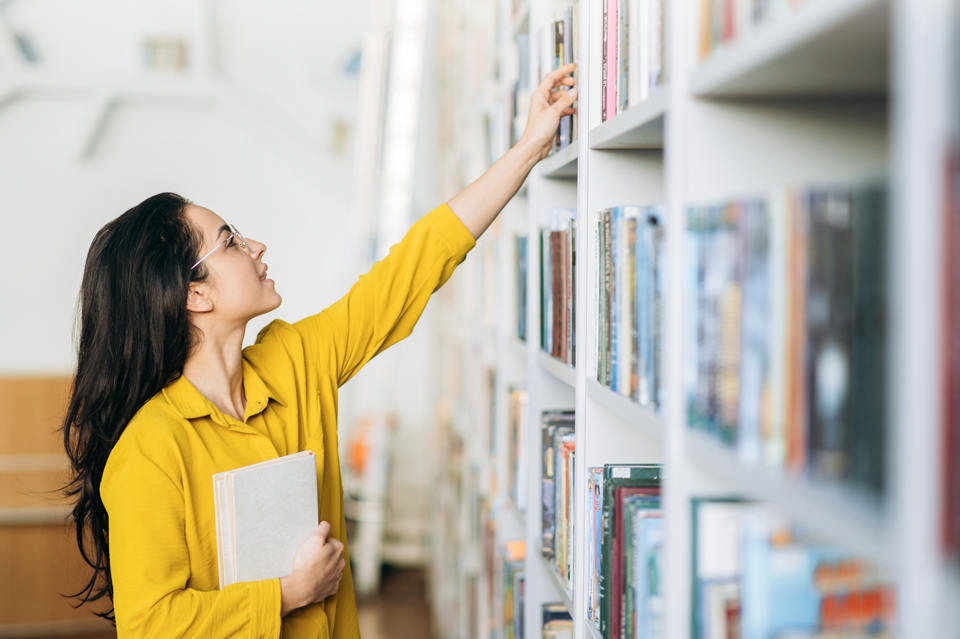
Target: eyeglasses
(236, 233)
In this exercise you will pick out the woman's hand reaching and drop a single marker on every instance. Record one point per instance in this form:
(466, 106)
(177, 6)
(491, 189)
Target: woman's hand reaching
(317, 570)
(481, 202)
(547, 106)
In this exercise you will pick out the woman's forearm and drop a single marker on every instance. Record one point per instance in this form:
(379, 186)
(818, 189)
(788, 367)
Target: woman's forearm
(478, 205)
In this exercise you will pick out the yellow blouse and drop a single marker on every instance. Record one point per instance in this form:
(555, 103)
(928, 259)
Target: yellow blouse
(157, 485)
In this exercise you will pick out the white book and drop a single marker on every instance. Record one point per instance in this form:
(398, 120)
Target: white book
(264, 513)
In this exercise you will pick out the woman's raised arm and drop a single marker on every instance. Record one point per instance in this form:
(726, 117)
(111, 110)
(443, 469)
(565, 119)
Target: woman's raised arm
(480, 203)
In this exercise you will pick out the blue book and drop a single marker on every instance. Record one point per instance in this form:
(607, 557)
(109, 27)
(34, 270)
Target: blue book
(648, 542)
(691, 306)
(616, 229)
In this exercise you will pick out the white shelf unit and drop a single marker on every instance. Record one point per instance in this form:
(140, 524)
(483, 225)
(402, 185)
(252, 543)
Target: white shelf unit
(838, 91)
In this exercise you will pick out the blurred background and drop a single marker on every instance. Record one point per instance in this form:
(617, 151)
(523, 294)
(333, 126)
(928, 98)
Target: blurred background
(252, 109)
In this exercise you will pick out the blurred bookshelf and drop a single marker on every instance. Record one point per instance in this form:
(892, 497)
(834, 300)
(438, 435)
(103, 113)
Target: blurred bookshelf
(791, 111)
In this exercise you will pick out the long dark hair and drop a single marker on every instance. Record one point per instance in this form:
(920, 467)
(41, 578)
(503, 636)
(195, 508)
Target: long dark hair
(134, 339)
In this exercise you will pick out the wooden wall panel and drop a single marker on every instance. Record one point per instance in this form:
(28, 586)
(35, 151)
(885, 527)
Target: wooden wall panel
(31, 489)
(30, 412)
(39, 563)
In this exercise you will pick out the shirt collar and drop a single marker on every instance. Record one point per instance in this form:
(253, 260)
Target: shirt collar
(190, 404)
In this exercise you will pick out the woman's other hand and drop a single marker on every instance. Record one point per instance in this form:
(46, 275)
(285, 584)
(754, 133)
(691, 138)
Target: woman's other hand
(317, 570)
(547, 106)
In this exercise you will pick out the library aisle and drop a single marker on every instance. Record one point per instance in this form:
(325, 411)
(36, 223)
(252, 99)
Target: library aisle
(701, 379)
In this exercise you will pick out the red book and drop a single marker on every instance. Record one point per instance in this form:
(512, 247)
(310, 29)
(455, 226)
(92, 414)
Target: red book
(556, 279)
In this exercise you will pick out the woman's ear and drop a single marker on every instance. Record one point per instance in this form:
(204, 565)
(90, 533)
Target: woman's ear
(198, 298)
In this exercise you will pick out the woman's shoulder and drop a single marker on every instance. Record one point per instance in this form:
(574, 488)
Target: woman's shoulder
(155, 434)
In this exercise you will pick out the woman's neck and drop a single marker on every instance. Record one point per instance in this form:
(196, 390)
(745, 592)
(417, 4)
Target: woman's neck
(215, 369)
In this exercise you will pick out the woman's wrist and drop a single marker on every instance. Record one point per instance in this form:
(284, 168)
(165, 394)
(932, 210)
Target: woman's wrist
(291, 594)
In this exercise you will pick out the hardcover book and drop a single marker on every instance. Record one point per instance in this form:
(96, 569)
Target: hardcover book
(264, 513)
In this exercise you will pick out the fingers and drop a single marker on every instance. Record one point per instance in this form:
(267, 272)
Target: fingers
(551, 79)
(323, 530)
(341, 565)
(565, 101)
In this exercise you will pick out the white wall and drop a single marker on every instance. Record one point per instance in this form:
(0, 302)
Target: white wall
(271, 154)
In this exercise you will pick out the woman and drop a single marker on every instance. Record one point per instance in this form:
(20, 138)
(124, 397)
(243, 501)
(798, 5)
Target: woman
(164, 397)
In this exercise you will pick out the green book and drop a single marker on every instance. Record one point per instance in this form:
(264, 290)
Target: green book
(617, 476)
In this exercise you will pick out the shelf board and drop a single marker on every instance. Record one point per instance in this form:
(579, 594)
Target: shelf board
(560, 370)
(565, 596)
(826, 47)
(639, 127)
(626, 409)
(589, 631)
(832, 510)
(561, 164)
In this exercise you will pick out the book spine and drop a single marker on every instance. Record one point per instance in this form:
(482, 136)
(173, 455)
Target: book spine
(795, 424)
(606, 558)
(604, 61)
(623, 52)
(567, 120)
(612, 50)
(633, 386)
(572, 293)
(829, 330)
(608, 293)
(556, 264)
(627, 331)
(866, 445)
(616, 231)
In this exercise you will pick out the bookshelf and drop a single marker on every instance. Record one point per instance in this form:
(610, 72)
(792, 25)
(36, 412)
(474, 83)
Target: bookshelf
(833, 92)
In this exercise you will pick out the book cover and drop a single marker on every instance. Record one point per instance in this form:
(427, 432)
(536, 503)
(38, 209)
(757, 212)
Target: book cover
(265, 513)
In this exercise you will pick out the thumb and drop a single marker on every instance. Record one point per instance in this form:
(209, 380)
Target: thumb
(565, 101)
(323, 531)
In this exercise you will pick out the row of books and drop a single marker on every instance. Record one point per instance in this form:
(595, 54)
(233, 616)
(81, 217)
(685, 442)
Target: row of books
(725, 21)
(630, 276)
(558, 260)
(557, 622)
(513, 580)
(516, 450)
(757, 576)
(555, 45)
(624, 551)
(520, 269)
(785, 329)
(633, 60)
(558, 453)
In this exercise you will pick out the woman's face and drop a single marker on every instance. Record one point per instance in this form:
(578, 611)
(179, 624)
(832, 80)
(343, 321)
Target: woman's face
(237, 285)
